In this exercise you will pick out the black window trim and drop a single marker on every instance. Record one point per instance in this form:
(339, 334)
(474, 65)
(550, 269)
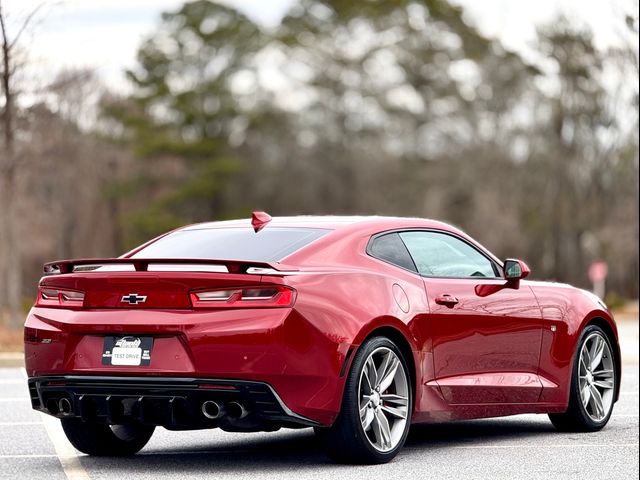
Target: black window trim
(391, 232)
(495, 264)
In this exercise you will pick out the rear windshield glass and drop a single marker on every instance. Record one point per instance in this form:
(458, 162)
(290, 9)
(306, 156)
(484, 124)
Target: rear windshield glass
(268, 245)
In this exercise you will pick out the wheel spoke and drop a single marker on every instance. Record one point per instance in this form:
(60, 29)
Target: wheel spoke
(387, 376)
(593, 348)
(394, 398)
(383, 429)
(597, 352)
(395, 412)
(606, 384)
(586, 357)
(364, 403)
(584, 383)
(603, 372)
(372, 373)
(597, 402)
(585, 393)
(584, 360)
(365, 374)
(384, 364)
(367, 419)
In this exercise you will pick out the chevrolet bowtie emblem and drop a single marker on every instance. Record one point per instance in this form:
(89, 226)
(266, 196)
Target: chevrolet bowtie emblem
(133, 299)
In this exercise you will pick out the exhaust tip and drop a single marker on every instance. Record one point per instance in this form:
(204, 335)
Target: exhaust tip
(236, 410)
(211, 410)
(64, 406)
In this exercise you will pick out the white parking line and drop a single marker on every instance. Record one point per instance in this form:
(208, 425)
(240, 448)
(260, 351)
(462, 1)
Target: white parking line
(65, 452)
(67, 455)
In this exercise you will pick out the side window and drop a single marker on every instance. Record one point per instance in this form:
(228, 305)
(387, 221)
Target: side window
(440, 255)
(391, 249)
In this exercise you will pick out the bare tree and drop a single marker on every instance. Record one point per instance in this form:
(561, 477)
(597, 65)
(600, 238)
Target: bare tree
(10, 264)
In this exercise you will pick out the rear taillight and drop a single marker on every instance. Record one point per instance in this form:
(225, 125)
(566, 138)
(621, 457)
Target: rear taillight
(244, 297)
(57, 297)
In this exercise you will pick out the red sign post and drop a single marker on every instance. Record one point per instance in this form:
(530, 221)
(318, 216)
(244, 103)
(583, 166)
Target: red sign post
(598, 271)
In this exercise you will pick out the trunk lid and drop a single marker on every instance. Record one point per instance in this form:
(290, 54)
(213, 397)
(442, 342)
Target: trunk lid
(148, 284)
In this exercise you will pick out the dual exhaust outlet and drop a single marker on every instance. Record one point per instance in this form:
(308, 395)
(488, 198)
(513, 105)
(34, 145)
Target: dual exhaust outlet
(213, 410)
(210, 409)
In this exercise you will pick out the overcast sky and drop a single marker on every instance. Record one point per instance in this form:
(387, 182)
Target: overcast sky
(105, 34)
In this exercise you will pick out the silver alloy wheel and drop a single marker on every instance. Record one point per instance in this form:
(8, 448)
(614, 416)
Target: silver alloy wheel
(384, 399)
(597, 377)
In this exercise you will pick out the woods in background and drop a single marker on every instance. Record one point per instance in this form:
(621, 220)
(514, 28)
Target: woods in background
(391, 107)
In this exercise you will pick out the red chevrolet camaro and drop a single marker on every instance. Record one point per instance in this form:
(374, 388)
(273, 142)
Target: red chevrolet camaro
(355, 326)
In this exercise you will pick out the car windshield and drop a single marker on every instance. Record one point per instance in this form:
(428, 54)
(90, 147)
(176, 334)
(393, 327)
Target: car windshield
(268, 245)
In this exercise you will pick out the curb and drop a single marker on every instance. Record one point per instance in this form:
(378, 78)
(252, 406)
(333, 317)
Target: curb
(11, 359)
(628, 338)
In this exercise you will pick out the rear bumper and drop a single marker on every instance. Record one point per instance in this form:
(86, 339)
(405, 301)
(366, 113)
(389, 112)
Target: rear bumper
(278, 347)
(175, 403)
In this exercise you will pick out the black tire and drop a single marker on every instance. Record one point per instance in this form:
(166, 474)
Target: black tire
(106, 440)
(346, 441)
(576, 418)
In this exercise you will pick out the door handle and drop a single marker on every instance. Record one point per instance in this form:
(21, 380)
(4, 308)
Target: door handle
(446, 299)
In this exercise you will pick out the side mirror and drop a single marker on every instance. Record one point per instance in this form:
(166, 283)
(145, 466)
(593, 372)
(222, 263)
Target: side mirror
(515, 269)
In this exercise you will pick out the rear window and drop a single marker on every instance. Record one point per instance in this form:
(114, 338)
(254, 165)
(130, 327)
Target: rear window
(268, 245)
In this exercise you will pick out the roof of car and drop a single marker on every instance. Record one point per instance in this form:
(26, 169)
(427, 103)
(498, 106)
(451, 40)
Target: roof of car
(333, 222)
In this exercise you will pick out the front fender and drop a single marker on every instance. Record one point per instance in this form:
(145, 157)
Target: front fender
(566, 311)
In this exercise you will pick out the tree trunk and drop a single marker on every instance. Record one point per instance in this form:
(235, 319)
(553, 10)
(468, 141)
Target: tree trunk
(3, 246)
(12, 275)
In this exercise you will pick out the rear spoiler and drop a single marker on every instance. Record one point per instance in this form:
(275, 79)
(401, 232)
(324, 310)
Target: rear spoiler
(162, 265)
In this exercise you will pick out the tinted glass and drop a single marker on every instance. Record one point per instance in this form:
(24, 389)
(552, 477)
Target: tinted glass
(391, 249)
(440, 255)
(268, 245)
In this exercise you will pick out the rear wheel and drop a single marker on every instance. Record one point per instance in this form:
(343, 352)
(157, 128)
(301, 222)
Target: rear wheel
(376, 410)
(593, 385)
(106, 440)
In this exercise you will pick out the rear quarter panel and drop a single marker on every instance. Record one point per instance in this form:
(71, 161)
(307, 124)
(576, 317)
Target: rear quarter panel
(353, 298)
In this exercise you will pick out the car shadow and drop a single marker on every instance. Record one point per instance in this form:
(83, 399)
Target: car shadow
(463, 433)
(292, 449)
(298, 450)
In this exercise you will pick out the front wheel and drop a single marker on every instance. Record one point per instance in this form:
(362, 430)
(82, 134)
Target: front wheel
(106, 440)
(593, 385)
(376, 409)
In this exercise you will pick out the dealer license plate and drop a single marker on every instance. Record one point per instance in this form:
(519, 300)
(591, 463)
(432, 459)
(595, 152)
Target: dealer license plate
(130, 350)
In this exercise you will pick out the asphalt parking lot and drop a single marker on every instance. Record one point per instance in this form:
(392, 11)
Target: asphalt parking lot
(33, 446)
